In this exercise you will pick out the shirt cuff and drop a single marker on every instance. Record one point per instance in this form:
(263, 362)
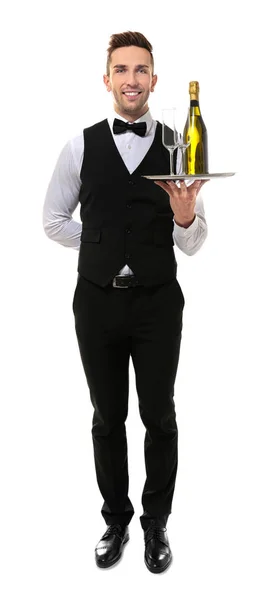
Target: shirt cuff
(184, 231)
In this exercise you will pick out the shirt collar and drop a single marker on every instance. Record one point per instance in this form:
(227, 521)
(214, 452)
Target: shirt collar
(147, 118)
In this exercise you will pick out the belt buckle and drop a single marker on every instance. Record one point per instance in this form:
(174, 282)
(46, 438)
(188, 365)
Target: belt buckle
(118, 286)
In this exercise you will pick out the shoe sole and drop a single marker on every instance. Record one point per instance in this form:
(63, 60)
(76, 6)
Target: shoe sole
(158, 569)
(116, 559)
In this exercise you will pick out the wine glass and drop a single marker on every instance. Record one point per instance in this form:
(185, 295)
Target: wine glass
(169, 133)
(182, 146)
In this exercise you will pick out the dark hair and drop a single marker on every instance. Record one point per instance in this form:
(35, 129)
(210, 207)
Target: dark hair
(128, 38)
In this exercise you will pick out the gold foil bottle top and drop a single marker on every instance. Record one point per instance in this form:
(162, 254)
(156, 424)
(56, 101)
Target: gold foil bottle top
(194, 90)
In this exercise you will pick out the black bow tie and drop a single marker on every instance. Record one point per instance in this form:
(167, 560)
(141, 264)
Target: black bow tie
(121, 126)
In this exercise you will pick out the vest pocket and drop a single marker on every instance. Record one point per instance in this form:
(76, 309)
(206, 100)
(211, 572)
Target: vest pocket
(90, 235)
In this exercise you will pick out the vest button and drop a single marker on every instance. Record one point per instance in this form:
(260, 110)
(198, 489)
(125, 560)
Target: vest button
(128, 205)
(131, 182)
(128, 230)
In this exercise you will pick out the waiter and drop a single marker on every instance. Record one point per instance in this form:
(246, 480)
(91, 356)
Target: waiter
(127, 301)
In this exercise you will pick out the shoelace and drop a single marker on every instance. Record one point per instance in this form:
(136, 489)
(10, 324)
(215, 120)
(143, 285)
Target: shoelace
(154, 531)
(113, 529)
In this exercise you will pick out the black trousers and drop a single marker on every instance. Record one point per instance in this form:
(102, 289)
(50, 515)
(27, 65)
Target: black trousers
(111, 325)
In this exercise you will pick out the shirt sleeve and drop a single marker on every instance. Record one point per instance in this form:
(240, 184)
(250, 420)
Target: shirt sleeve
(62, 197)
(190, 239)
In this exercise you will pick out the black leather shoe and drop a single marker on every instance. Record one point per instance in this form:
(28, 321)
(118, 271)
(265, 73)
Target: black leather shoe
(157, 556)
(109, 549)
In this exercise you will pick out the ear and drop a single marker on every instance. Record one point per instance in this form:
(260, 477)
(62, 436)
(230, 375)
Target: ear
(154, 81)
(106, 80)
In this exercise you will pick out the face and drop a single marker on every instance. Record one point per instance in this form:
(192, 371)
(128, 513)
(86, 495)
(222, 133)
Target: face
(130, 81)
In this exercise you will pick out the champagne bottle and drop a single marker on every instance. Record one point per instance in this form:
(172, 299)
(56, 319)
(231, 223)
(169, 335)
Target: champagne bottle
(196, 155)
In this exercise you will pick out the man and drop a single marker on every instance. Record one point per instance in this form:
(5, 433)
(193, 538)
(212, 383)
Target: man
(127, 301)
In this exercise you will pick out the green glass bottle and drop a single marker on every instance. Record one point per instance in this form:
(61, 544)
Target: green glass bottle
(196, 155)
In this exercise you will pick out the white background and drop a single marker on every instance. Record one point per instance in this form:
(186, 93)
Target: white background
(53, 58)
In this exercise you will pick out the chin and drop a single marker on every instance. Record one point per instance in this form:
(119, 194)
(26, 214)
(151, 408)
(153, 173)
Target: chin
(135, 107)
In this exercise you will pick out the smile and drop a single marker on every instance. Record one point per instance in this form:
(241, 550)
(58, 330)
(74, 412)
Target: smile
(131, 93)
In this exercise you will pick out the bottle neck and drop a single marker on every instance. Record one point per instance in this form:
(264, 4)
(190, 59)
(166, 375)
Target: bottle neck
(194, 108)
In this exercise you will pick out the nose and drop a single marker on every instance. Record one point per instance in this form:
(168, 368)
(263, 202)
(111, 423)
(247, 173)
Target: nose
(131, 78)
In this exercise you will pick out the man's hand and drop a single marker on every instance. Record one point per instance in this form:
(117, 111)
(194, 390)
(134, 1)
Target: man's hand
(183, 199)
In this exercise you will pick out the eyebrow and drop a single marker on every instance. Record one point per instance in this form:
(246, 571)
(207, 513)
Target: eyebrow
(137, 66)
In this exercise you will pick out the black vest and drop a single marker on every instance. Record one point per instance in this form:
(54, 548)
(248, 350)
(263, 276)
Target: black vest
(126, 219)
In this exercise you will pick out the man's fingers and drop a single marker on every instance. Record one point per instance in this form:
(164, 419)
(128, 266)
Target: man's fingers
(195, 185)
(183, 185)
(162, 184)
(170, 186)
(202, 182)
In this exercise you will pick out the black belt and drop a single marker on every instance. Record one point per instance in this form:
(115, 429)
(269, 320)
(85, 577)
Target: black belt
(125, 281)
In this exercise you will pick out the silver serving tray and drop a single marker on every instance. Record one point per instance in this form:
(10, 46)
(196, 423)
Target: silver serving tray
(187, 177)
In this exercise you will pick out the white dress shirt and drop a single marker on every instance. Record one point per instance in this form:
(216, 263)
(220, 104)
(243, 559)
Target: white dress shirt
(62, 196)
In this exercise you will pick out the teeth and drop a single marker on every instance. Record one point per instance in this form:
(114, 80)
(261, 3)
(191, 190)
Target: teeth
(131, 93)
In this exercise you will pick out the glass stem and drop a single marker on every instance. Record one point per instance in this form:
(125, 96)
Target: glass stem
(171, 162)
(182, 172)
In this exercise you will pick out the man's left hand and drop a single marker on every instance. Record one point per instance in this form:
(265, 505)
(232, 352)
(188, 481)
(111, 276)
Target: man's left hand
(183, 199)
